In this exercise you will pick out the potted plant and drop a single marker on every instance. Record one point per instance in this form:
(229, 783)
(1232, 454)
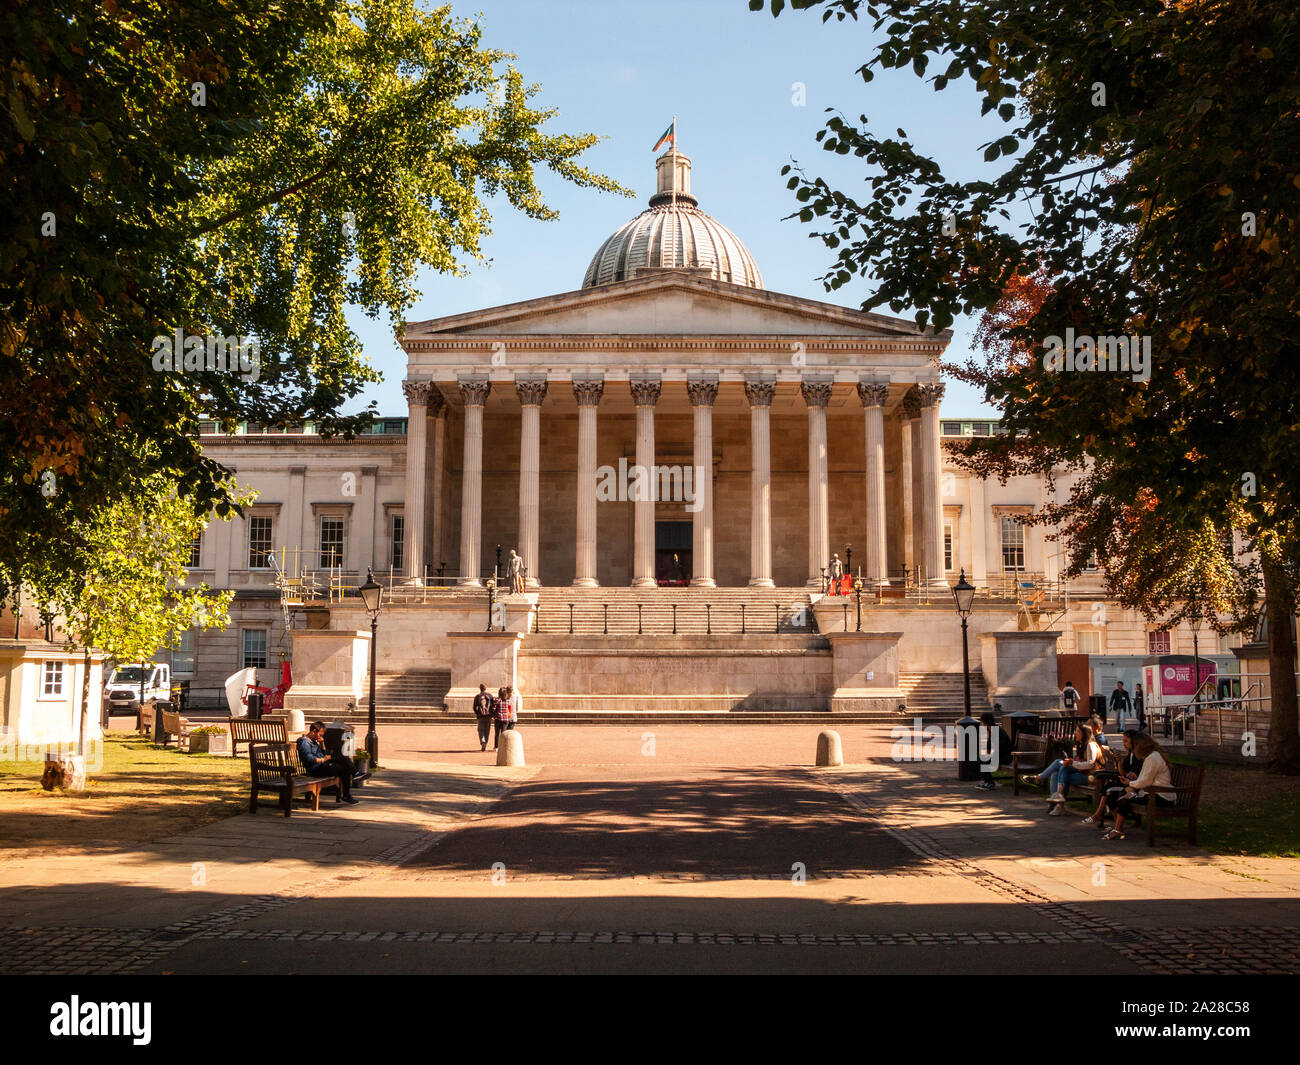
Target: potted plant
(362, 760)
(210, 739)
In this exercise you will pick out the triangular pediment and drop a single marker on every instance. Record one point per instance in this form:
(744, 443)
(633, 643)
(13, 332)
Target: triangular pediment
(664, 304)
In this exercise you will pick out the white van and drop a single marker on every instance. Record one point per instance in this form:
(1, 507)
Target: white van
(122, 692)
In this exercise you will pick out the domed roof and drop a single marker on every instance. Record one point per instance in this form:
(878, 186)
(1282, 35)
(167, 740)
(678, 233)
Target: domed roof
(673, 233)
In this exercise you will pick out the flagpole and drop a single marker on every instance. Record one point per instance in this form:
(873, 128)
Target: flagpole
(674, 162)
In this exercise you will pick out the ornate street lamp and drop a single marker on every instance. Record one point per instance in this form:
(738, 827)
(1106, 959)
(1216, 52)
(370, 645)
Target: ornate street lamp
(963, 593)
(857, 590)
(372, 595)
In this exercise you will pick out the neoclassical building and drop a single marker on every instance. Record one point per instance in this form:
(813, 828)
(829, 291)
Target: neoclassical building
(680, 456)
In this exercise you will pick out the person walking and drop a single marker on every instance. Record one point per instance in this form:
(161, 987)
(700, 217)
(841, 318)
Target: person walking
(1120, 705)
(1139, 706)
(1069, 697)
(504, 714)
(483, 716)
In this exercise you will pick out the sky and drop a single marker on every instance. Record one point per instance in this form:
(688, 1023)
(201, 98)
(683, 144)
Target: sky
(622, 70)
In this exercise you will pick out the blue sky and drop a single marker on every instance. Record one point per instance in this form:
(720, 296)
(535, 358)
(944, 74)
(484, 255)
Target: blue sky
(622, 70)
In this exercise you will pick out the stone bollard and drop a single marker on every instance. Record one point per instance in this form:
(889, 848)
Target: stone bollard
(297, 721)
(829, 749)
(511, 751)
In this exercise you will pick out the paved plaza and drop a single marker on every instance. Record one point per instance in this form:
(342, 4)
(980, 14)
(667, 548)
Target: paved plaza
(675, 848)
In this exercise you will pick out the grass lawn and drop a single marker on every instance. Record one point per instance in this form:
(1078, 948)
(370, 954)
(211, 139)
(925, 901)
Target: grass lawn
(141, 793)
(1249, 811)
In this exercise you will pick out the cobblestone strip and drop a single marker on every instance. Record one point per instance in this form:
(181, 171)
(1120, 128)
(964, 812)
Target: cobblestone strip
(1178, 951)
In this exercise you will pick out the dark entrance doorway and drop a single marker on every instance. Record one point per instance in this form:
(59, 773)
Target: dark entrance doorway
(673, 552)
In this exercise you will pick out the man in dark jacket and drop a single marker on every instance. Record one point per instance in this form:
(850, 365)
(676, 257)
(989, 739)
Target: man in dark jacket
(999, 750)
(1119, 703)
(483, 716)
(320, 763)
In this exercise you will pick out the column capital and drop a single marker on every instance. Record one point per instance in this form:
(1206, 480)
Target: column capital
(911, 406)
(759, 389)
(474, 390)
(421, 393)
(872, 392)
(645, 390)
(703, 390)
(531, 389)
(929, 393)
(816, 390)
(588, 390)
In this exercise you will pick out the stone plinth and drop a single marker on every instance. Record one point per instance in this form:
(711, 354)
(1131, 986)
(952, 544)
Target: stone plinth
(1020, 670)
(329, 669)
(489, 658)
(865, 671)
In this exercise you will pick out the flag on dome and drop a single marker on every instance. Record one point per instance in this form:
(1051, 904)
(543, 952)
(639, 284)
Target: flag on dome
(670, 134)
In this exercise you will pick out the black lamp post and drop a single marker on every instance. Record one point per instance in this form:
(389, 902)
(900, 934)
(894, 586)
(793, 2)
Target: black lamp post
(963, 593)
(857, 589)
(848, 559)
(372, 595)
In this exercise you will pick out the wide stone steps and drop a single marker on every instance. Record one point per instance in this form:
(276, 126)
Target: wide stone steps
(938, 692)
(414, 688)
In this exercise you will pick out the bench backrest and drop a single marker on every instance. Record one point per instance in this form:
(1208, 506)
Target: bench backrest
(1030, 742)
(1186, 776)
(270, 763)
(1061, 728)
(171, 722)
(251, 729)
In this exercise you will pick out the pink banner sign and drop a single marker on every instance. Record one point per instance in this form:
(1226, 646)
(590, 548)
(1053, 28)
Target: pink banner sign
(1176, 678)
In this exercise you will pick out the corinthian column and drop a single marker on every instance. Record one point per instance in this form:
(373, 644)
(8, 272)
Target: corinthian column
(817, 393)
(645, 394)
(587, 391)
(474, 391)
(531, 391)
(873, 395)
(931, 485)
(759, 391)
(703, 391)
(419, 394)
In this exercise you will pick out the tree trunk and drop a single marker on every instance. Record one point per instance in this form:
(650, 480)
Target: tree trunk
(85, 702)
(1284, 723)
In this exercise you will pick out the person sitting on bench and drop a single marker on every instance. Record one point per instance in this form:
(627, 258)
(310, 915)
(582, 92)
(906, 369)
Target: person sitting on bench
(1155, 771)
(1129, 768)
(1069, 770)
(320, 763)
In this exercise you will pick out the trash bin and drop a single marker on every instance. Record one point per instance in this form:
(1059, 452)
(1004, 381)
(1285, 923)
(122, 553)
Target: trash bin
(255, 705)
(159, 733)
(968, 749)
(340, 739)
(1023, 721)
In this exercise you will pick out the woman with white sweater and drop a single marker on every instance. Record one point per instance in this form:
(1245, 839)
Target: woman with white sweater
(1153, 774)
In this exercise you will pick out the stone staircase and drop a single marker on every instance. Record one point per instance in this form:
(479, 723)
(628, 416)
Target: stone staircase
(413, 697)
(650, 611)
(940, 694)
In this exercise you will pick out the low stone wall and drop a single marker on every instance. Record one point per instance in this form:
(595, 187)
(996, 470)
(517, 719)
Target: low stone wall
(662, 673)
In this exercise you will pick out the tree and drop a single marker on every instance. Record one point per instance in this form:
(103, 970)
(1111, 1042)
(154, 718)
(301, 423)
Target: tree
(234, 169)
(132, 600)
(1153, 145)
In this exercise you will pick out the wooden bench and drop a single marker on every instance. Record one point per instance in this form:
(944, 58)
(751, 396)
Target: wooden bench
(174, 725)
(252, 730)
(1033, 754)
(1185, 787)
(276, 767)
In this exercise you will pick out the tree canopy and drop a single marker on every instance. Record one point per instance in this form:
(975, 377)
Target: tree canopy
(229, 170)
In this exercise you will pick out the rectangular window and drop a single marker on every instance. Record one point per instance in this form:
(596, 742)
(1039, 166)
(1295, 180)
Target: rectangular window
(399, 542)
(1087, 642)
(183, 653)
(331, 542)
(947, 545)
(259, 541)
(1158, 642)
(255, 648)
(1013, 544)
(196, 551)
(52, 680)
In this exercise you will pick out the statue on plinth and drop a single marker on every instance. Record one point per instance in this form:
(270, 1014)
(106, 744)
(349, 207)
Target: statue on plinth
(516, 569)
(836, 575)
